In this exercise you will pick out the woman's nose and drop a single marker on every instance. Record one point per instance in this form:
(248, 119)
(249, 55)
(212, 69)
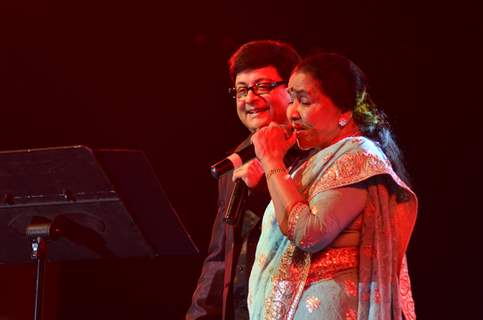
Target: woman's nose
(292, 111)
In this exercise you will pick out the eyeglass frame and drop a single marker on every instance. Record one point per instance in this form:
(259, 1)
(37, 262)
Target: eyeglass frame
(273, 84)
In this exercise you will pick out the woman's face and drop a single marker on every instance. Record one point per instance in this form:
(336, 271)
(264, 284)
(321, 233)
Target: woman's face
(311, 113)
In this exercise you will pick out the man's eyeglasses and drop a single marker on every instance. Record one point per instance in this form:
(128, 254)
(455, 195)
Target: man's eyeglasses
(258, 89)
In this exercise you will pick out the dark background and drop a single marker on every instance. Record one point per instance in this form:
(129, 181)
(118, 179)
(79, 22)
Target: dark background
(152, 75)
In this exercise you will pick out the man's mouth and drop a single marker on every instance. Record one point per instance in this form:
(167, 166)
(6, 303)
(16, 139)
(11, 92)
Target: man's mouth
(256, 111)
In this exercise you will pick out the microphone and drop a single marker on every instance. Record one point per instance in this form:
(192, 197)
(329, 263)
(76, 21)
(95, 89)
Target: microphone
(237, 198)
(239, 157)
(233, 161)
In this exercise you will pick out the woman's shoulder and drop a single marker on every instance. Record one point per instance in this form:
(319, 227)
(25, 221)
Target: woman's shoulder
(347, 149)
(361, 144)
(349, 161)
(361, 156)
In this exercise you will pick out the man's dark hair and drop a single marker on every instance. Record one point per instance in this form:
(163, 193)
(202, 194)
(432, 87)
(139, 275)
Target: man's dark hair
(263, 53)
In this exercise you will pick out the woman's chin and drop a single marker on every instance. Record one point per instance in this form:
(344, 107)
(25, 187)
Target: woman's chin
(303, 145)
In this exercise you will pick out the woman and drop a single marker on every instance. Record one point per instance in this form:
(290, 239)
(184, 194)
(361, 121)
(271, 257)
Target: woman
(335, 234)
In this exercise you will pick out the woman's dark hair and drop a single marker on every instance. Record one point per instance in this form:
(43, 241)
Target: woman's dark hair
(345, 84)
(263, 53)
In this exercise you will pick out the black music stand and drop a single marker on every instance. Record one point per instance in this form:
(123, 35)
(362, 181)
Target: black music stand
(82, 204)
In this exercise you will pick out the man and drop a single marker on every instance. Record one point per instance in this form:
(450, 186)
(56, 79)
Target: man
(260, 71)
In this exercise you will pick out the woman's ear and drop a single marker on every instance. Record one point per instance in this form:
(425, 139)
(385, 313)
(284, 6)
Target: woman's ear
(345, 118)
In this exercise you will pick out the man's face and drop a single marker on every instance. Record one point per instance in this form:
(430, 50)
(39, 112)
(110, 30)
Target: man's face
(258, 110)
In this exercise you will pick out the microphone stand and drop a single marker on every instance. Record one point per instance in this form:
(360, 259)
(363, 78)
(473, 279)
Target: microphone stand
(237, 198)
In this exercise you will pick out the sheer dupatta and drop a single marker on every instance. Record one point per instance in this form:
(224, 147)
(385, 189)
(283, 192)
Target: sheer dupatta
(384, 285)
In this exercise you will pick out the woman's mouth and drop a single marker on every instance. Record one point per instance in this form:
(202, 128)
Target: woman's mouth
(297, 128)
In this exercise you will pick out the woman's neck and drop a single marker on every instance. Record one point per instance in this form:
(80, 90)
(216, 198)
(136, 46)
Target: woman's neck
(350, 130)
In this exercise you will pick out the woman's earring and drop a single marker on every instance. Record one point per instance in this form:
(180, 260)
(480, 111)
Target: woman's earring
(342, 122)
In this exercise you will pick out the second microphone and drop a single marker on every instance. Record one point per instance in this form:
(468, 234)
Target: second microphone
(233, 161)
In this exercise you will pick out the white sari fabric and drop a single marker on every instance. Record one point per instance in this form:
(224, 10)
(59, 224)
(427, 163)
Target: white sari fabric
(304, 277)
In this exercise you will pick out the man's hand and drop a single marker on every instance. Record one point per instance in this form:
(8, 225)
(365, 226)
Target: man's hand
(251, 172)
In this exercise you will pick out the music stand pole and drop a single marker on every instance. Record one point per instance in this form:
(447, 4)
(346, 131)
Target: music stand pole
(38, 232)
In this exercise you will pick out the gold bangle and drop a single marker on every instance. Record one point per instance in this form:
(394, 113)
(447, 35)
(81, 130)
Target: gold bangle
(275, 171)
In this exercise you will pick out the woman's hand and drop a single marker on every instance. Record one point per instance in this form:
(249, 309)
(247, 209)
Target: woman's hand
(271, 144)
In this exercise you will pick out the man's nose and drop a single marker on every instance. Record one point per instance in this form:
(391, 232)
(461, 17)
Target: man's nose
(251, 96)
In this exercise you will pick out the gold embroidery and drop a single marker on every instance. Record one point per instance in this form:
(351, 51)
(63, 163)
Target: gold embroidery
(326, 264)
(312, 303)
(350, 315)
(293, 217)
(276, 306)
(405, 291)
(350, 168)
(288, 284)
(350, 287)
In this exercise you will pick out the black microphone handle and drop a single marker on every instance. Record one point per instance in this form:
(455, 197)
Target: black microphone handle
(221, 167)
(238, 195)
(238, 157)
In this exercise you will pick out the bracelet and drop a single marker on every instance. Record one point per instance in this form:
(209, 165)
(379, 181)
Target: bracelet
(275, 171)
